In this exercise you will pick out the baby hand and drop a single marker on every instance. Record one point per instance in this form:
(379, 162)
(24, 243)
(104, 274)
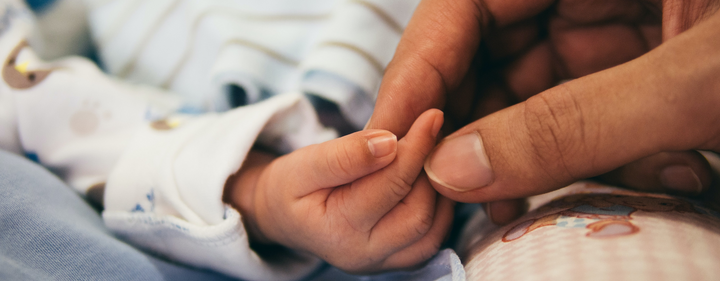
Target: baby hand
(352, 201)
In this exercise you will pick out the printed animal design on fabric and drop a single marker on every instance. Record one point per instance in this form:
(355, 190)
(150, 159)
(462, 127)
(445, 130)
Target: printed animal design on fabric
(16, 73)
(164, 124)
(86, 120)
(149, 205)
(605, 215)
(159, 121)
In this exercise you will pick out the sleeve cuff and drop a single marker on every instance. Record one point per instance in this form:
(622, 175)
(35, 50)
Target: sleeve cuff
(165, 194)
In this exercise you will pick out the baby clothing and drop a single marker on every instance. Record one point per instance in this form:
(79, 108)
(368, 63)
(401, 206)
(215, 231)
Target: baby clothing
(49, 233)
(588, 231)
(336, 49)
(162, 165)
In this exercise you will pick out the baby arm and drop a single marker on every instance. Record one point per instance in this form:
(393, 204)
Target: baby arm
(352, 201)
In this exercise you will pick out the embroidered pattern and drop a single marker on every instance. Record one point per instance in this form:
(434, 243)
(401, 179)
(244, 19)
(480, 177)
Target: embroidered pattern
(150, 196)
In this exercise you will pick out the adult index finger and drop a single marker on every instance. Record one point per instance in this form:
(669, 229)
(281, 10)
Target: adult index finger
(435, 53)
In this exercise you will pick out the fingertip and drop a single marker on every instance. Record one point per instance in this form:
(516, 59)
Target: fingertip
(435, 117)
(506, 211)
(426, 247)
(449, 192)
(459, 164)
(439, 120)
(440, 186)
(681, 179)
(343, 160)
(381, 143)
(685, 173)
(430, 121)
(696, 179)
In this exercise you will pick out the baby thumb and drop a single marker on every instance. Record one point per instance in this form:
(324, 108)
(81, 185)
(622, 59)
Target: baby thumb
(340, 161)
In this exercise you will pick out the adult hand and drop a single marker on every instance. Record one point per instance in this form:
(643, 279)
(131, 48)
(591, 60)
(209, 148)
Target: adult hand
(650, 110)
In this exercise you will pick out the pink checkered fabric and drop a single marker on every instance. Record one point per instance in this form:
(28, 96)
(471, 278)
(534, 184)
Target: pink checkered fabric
(593, 232)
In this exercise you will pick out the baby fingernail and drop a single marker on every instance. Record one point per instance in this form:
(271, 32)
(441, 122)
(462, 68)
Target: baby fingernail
(382, 145)
(680, 178)
(460, 164)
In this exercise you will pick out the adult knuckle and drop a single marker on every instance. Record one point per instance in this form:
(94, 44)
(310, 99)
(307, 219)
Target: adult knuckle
(556, 127)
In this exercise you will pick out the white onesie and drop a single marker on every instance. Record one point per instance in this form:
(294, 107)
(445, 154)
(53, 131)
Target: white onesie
(163, 166)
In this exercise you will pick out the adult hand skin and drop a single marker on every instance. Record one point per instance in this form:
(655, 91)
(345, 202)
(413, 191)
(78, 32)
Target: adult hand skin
(650, 106)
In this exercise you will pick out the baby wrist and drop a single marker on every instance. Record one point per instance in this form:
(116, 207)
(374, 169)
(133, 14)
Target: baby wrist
(240, 192)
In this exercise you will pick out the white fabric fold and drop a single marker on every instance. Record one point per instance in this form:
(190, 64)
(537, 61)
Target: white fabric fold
(166, 189)
(275, 46)
(163, 172)
(223, 247)
(356, 46)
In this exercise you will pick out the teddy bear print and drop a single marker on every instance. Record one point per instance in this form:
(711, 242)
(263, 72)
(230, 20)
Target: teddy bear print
(87, 118)
(16, 73)
(164, 124)
(604, 215)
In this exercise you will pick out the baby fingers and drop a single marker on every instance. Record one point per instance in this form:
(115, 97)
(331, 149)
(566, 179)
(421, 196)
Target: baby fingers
(409, 234)
(429, 244)
(413, 231)
(340, 161)
(364, 202)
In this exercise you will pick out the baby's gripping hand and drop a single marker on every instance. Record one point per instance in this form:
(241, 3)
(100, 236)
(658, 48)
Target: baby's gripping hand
(354, 201)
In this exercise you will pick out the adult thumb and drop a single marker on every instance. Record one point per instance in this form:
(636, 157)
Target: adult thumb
(663, 101)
